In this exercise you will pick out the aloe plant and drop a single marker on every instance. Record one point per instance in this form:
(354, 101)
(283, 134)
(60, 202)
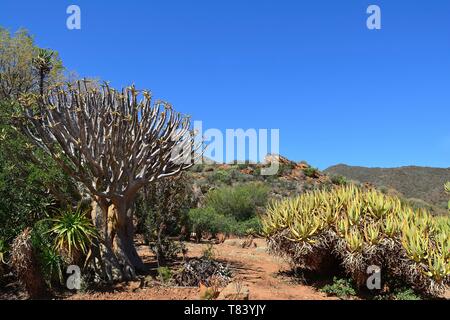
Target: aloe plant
(447, 189)
(2, 251)
(72, 230)
(362, 227)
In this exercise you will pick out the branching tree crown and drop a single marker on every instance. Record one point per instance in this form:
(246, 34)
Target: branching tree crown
(113, 142)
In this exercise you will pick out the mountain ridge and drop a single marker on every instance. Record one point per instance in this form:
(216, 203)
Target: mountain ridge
(413, 182)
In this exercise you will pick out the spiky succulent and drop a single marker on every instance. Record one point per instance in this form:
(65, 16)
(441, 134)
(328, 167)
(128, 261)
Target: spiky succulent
(362, 227)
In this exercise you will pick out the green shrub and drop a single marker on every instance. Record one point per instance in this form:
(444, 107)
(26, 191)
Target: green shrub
(221, 176)
(251, 226)
(311, 172)
(406, 294)
(285, 169)
(342, 288)
(51, 262)
(207, 220)
(240, 202)
(402, 293)
(165, 274)
(339, 180)
(197, 168)
(163, 203)
(167, 249)
(162, 212)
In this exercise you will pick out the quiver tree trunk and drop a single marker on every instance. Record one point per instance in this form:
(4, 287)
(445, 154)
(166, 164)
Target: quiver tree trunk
(121, 231)
(114, 254)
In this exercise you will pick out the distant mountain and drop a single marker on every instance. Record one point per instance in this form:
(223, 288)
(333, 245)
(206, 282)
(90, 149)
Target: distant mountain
(413, 182)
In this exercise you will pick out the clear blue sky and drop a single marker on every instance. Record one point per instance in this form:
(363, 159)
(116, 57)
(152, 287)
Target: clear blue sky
(338, 92)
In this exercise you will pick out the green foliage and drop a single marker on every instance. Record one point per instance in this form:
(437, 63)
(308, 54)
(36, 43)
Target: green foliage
(197, 168)
(423, 183)
(359, 228)
(162, 207)
(285, 169)
(342, 288)
(406, 294)
(339, 180)
(51, 262)
(230, 210)
(30, 182)
(252, 226)
(221, 176)
(311, 172)
(165, 274)
(72, 230)
(167, 249)
(240, 202)
(447, 190)
(207, 220)
(162, 211)
(23, 195)
(17, 71)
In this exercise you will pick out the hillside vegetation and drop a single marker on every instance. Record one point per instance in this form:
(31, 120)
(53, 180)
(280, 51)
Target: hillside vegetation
(421, 185)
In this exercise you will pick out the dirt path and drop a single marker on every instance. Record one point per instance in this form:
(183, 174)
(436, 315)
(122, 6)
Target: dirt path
(259, 271)
(253, 266)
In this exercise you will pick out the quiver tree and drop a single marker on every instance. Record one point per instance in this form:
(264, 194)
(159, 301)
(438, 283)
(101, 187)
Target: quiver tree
(114, 143)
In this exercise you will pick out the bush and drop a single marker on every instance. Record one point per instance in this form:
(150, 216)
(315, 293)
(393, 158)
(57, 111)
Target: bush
(162, 213)
(251, 226)
(311, 172)
(49, 261)
(165, 274)
(221, 176)
(167, 249)
(406, 294)
(339, 180)
(360, 228)
(240, 202)
(342, 288)
(207, 220)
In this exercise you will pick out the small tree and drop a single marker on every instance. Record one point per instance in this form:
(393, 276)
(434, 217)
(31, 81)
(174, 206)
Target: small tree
(24, 67)
(114, 143)
(164, 208)
(43, 64)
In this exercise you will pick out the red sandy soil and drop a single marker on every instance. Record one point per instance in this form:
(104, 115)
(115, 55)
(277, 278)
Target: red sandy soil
(253, 266)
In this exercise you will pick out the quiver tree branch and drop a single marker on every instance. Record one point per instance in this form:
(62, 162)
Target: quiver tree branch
(114, 143)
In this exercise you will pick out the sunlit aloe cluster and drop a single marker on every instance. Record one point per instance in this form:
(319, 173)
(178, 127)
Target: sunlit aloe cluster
(359, 228)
